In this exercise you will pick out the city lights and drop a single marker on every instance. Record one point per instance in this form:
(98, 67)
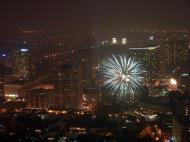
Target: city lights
(95, 71)
(24, 50)
(124, 41)
(114, 40)
(173, 81)
(151, 38)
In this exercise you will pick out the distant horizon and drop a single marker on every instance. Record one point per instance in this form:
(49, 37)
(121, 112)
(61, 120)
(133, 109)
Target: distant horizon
(89, 29)
(95, 14)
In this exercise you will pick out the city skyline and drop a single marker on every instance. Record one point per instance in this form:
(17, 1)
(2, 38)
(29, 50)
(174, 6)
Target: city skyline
(95, 71)
(94, 14)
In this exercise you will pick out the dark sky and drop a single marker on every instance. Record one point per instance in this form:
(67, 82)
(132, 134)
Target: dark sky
(90, 13)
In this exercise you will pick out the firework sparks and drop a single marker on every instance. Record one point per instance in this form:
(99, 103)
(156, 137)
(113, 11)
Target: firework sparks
(121, 75)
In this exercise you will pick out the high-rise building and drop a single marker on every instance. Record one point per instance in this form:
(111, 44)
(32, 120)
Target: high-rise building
(88, 60)
(1, 82)
(174, 55)
(22, 64)
(175, 60)
(181, 118)
(149, 57)
(69, 86)
(40, 98)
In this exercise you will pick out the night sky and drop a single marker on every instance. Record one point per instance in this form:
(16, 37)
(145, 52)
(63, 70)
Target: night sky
(90, 13)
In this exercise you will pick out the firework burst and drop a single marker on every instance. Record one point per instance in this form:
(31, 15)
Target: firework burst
(121, 75)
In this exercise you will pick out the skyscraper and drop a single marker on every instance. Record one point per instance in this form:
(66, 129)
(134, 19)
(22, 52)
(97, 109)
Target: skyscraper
(39, 98)
(69, 86)
(149, 57)
(22, 64)
(174, 55)
(181, 118)
(1, 82)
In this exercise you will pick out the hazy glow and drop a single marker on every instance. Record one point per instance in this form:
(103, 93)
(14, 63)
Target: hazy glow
(114, 40)
(23, 49)
(121, 75)
(3, 55)
(173, 81)
(151, 38)
(124, 41)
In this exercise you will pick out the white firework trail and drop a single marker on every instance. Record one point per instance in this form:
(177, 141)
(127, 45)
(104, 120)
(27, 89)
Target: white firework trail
(121, 75)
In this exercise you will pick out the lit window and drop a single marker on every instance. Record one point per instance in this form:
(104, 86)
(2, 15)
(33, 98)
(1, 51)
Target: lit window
(124, 41)
(114, 40)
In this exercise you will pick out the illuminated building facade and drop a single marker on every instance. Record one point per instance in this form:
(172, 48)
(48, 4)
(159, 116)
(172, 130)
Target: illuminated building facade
(149, 57)
(174, 55)
(69, 86)
(115, 41)
(22, 63)
(89, 60)
(40, 98)
(1, 82)
(86, 60)
(175, 61)
(90, 98)
(12, 91)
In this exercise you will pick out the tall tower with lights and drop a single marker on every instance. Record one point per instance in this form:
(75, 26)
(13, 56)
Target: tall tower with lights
(22, 66)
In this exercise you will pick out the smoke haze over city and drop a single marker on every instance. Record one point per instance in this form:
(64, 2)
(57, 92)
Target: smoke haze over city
(95, 71)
